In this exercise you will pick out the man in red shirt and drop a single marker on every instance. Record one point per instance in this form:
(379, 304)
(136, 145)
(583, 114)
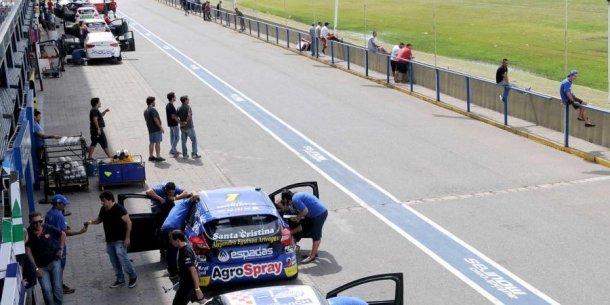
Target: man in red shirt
(404, 56)
(50, 6)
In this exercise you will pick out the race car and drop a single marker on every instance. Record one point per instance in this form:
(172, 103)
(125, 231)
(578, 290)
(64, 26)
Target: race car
(303, 294)
(237, 234)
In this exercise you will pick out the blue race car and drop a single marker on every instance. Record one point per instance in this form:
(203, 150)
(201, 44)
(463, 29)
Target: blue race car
(237, 234)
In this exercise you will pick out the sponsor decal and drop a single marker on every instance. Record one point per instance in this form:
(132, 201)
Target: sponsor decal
(245, 241)
(247, 270)
(495, 280)
(243, 234)
(102, 52)
(247, 254)
(223, 256)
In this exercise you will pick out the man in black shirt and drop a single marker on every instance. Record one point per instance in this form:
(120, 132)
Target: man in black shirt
(173, 123)
(502, 79)
(45, 252)
(117, 229)
(96, 126)
(188, 290)
(155, 130)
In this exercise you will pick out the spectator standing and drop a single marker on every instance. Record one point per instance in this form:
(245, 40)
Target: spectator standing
(96, 126)
(323, 35)
(240, 15)
(44, 248)
(173, 122)
(218, 7)
(313, 212)
(402, 63)
(187, 7)
(113, 6)
(187, 129)
(312, 32)
(155, 130)
(393, 62)
(188, 290)
(206, 10)
(50, 6)
(39, 137)
(117, 229)
(502, 79)
(373, 45)
(55, 217)
(568, 98)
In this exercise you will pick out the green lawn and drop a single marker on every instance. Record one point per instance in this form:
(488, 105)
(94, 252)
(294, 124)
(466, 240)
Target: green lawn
(528, 32)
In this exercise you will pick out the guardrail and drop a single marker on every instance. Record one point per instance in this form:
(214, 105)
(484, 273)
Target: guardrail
(436, 82)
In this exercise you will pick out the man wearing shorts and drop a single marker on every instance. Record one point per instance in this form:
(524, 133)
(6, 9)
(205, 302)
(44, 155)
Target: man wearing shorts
(312, 212)
(568, 98)
(96, 126)
(155, 130)
(393, 56)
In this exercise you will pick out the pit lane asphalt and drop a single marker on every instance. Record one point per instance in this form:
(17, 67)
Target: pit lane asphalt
(545, 235)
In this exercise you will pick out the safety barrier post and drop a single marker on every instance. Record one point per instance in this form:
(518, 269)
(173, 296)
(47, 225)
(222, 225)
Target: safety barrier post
(277, 35)
(250, 26)
(438, 84)
(366, 62)
(258, 29)
(506, 112)
(387, 68)
(467, 94)
(332, 52)
(288, 38)
(300, 44)
(228, 20)
(267, 30)
(314, 47)
(348, 59)
(410, 75)
(317, 47)
(566, 141)
(235, 21)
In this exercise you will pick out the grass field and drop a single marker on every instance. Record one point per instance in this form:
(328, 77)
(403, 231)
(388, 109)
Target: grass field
(528, 32)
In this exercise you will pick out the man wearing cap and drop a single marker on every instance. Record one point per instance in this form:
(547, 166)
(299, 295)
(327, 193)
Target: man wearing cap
(55, 217)
(568, 98)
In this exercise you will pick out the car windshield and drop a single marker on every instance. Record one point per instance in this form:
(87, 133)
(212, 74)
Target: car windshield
(96, 24)
(248, 226)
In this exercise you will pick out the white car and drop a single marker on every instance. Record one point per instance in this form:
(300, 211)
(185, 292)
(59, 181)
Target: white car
(86, 12)
(96, 25)
(101, 45)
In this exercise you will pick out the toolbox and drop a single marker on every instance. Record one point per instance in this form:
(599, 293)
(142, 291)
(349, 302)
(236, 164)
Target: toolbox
(114, 171)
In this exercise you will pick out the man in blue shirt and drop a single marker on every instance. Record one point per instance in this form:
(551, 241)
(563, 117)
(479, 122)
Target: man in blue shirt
(39, 137)
(55, 217)
(313, 214)
(163, 195)
(567, 97)
(175, 221)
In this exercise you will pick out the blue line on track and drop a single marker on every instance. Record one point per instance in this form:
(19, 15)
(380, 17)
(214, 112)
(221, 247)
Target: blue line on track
(481, 273)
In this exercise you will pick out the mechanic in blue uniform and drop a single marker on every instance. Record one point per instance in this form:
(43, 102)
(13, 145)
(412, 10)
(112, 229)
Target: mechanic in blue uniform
(55, 217)
(312, 213)
(162, 198)
(176, 221)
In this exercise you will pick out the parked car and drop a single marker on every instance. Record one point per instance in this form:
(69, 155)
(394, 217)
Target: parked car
(99, 5)
(96, 25)
(237, 234)
(58, 8)
(86, 13)
(69, 10)
(304, 294)
(102, 45)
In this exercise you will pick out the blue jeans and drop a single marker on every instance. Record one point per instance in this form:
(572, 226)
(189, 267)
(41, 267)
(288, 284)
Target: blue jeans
(506, 90)
(50, 283)
(120, 260)
(188, 133)
(174, 136)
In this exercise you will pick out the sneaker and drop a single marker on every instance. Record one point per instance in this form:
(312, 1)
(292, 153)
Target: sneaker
(117, 284)
(196, 156)
(67, 290)
(132, 282)
(501, 100)
(152, 159)
(185, 156)
(589, 125)
(159, 159)
(308, 260)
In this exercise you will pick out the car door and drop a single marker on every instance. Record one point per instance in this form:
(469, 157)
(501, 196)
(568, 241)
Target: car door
(397, 278)
(309, 186)
(127, 42)
(145, 226)
(118, 27)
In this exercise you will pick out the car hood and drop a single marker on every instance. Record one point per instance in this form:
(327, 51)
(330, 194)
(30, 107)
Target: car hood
(277, 295)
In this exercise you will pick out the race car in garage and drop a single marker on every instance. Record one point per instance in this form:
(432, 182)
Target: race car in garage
(237, 233)
(304, 294)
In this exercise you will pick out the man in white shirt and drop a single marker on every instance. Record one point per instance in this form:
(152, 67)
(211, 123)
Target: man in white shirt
(373, 45)
(323, 35)
(393, 55)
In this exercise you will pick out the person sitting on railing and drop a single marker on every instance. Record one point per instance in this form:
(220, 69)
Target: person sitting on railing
(304, 45)
(568, 98)
(373, 45)
(402, 63)
(330, 35)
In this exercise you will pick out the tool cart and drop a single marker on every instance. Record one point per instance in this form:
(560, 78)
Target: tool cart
(121, 169)
(64, 165)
